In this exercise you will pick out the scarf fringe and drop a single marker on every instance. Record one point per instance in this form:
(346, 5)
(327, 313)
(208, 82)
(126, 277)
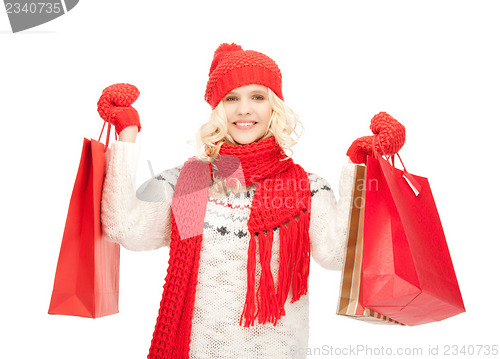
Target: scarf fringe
(294, 262)
(268, 304)
(302, 259)
(249, 307)
(285, 270)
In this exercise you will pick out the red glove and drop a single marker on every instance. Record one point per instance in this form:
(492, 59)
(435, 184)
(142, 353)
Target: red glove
(114, 106)
(389, 138)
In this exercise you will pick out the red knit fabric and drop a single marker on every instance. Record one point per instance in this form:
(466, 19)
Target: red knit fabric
(114, 106)
(389, 137)
(233, 67)
(282, 193)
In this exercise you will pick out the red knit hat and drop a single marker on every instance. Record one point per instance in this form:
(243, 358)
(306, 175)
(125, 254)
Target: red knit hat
(232, 67)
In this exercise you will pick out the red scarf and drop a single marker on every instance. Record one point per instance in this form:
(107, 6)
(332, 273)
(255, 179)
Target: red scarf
(282, 193)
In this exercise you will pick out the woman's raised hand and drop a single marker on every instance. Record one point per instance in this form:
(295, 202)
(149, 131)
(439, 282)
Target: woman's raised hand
(389, 136)
(114, 106)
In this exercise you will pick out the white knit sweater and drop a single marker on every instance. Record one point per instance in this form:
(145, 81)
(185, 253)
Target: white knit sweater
(141, 221)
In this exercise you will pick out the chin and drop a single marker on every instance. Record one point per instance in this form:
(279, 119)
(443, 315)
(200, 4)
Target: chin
(245, 140)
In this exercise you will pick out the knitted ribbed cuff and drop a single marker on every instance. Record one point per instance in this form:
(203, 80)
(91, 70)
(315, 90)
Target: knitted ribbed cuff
(124, 117)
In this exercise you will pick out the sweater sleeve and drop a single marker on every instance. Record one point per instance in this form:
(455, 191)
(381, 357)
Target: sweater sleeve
(137, 220)
(329, 218)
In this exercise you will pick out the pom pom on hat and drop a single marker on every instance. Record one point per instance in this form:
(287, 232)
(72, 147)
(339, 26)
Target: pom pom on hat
(233, 67)
(228, 47)
(223, 48)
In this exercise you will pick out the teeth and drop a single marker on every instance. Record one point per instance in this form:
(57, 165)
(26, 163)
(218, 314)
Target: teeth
(245, 123)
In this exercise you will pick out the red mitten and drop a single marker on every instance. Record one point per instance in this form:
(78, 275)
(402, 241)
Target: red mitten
(114, 106)
(389, 138)
(360, 148)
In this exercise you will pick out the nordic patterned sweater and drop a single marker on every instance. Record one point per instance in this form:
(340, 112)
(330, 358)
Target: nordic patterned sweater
(140, 220)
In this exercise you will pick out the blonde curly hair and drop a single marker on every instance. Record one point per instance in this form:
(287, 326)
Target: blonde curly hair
(283, 125)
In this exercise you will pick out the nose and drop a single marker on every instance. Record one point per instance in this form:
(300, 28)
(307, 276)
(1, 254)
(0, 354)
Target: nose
(244, 107)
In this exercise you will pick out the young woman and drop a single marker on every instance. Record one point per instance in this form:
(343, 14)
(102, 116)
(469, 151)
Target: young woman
(241, 218)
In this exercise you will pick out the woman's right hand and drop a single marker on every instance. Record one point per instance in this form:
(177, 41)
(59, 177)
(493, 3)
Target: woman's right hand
(114, 106)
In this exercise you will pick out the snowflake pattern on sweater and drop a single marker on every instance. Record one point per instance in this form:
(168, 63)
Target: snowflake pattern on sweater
(140, 220)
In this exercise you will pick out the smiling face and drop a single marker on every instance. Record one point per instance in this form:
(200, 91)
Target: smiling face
(248, 113)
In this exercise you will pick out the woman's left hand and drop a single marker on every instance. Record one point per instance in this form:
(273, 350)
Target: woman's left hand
(389, 138)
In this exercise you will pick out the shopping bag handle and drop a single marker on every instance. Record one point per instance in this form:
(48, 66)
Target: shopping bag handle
(412, 181)
(106, 121)
(378, 155)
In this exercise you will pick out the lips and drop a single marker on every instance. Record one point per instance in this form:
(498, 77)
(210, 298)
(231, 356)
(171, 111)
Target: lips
(244, 125)
(244, 122)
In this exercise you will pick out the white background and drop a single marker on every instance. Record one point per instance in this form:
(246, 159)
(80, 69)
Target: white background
(433, 65)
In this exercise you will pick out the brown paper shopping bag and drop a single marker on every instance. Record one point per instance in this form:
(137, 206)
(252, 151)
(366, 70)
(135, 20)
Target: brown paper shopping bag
(349, 298)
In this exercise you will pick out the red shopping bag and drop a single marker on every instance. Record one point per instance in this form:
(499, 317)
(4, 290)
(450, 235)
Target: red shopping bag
(87, 274)
(407, 272)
